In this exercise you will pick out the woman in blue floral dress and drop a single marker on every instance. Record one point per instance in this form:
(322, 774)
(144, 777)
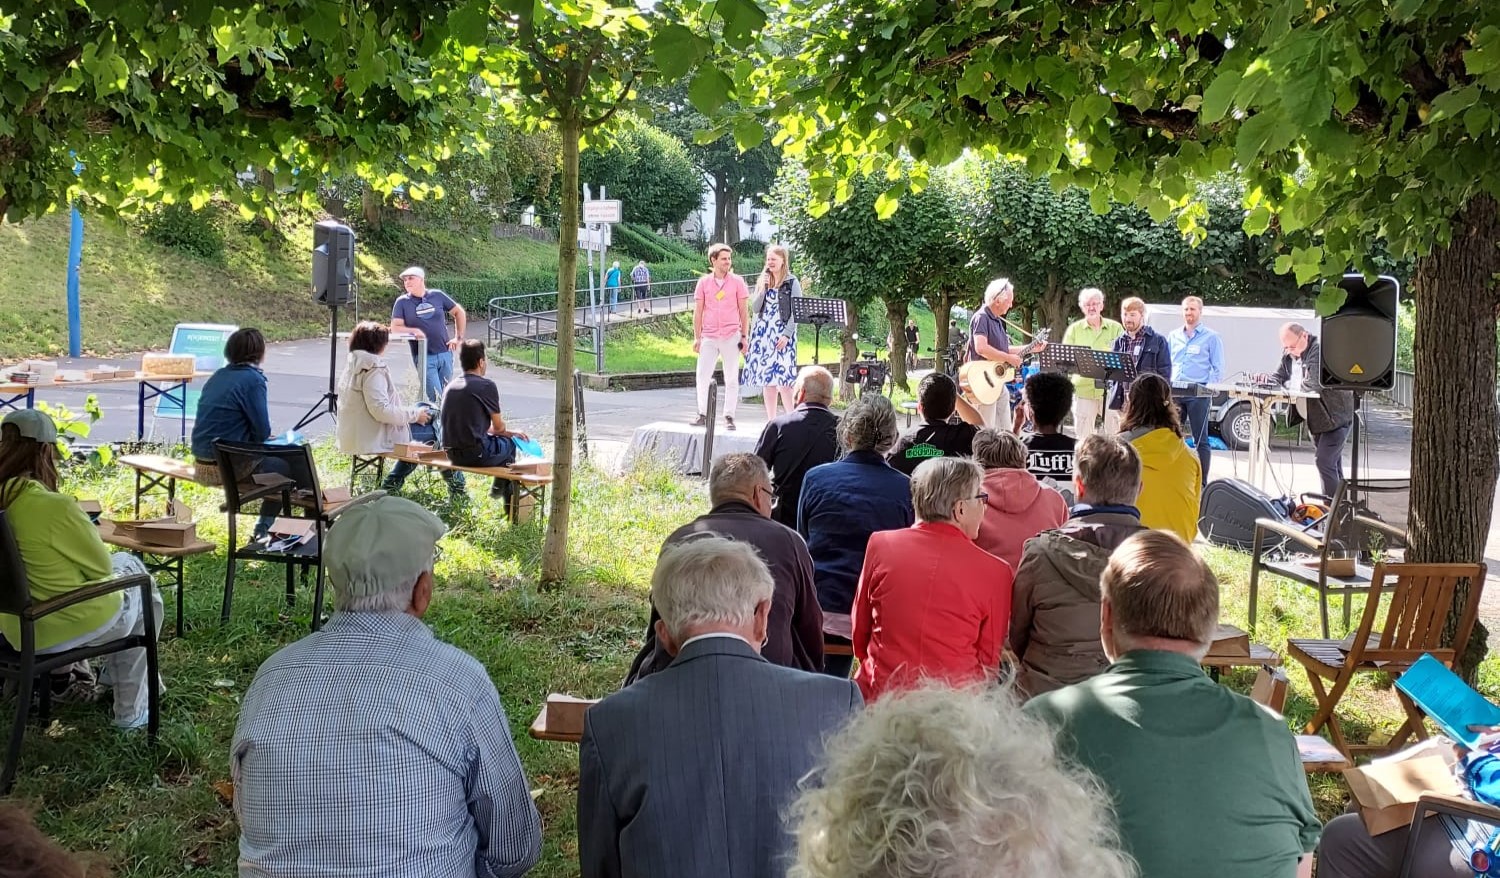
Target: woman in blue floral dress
(771, 360)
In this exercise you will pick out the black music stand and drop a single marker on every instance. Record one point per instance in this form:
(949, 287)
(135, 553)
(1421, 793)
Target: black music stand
(1088, 363)
(806, 309)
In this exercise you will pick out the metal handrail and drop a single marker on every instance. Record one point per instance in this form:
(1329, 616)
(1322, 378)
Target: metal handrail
(536, 315)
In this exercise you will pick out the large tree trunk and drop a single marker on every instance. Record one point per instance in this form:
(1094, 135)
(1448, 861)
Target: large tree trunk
(721, 196)
(941, 303)
(1453, 455)
(370, 204)
(895, 314)
(555, 549)
(1054, 305)
(731, 214)
(848, 350)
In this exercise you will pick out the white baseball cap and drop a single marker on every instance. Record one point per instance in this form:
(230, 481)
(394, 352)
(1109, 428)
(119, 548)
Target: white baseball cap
(415, 271)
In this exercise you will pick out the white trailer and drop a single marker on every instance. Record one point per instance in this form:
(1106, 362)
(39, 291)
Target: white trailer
(1252, 343)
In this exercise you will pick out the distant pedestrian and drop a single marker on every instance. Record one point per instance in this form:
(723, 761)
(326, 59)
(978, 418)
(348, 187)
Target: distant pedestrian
(913, 342)
(640, 276)
(612, 286)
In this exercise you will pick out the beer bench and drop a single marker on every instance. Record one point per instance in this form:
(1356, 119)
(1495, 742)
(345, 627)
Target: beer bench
(157, 472)
(530, 480)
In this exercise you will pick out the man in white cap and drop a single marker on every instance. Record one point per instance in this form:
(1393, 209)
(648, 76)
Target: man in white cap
(370, 748)
(426, 312)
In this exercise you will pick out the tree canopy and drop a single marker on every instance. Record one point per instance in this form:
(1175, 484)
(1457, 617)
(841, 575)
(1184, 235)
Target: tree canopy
(169, 102)
(648, 169)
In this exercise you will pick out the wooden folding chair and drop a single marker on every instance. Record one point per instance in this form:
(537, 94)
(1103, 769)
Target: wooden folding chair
(1417, 607)
(1317, 755)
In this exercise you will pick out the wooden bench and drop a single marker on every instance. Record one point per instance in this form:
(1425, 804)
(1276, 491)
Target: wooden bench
(530, 480)
(157, 472)
(158, 559)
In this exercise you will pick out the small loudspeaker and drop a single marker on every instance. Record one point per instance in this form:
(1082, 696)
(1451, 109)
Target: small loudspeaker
(332, 263)
(1359, 339)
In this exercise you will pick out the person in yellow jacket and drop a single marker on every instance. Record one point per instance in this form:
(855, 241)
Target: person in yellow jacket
(1170, 475)
(62, 551)
(1098, 332)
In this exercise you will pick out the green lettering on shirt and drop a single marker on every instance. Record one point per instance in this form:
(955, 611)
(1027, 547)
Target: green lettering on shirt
(923, 451)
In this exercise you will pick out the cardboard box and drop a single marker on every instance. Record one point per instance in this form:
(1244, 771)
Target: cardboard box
(533, 465)
(1387, 792)
(565, 713)
(169, 365)
(293, 527)
(336, 495)
(92, 509)
(411, 449)
(174, 530)
(1229, 640)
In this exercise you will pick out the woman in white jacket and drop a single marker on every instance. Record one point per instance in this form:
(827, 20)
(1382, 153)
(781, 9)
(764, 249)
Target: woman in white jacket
(372, 416)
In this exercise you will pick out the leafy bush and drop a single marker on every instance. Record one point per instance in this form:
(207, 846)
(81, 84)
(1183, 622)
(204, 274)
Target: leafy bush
(751, 249)
(640, 242)
(195, 232)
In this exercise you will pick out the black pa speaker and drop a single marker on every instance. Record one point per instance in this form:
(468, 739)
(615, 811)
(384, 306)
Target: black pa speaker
(332, 263)
(1359, 339)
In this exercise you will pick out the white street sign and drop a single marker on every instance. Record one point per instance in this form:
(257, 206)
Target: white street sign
(607, 211)
(595, 239)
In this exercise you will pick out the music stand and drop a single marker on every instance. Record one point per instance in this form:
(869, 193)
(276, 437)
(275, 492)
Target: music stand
(806, 309)
(1088, 363)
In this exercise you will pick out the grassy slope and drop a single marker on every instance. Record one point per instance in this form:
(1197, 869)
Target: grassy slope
(164, 814)
(134, 291)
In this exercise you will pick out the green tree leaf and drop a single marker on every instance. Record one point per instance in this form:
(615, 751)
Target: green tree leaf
(1219, 96)
(710, 90)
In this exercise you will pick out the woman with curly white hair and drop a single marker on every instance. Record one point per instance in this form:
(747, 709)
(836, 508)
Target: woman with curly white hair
(953, 783)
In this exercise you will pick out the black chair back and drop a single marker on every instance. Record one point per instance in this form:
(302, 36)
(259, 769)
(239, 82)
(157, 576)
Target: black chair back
(15, 588)
(241, 463)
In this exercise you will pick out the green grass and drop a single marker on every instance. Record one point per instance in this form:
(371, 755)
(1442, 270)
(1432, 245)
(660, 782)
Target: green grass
(162, 813)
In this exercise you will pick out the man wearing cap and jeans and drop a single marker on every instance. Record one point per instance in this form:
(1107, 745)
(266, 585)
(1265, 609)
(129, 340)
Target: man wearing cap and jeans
(370, 748)
(425, 311)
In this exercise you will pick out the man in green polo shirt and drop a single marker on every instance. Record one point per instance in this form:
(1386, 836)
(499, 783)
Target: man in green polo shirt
(1204, 781)
(1098, 332)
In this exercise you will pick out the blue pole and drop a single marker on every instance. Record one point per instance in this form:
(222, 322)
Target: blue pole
(75, 256)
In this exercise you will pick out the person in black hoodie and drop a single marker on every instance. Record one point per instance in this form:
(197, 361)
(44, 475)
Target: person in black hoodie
(1329, 416)
(1148, 346)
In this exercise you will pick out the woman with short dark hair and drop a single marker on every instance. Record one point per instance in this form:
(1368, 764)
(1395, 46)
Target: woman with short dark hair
(234, 407)
(373, 418)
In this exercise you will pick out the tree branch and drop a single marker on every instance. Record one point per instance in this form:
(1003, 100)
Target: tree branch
(615, 107)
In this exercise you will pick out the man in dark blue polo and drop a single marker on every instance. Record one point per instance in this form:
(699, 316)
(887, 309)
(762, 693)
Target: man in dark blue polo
(426, 311)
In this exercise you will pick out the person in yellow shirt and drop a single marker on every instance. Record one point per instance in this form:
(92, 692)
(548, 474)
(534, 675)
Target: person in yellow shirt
(62, 551)
(1170, 478)
(1098, 332)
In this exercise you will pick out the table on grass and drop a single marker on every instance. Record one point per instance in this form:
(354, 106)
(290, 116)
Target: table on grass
(172, 388)
(158, 559)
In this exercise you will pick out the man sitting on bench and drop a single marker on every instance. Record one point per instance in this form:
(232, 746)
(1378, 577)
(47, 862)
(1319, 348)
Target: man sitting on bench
(474, 432)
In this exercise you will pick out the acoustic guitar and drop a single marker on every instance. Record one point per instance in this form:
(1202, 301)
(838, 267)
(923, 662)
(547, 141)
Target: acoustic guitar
(982, 381)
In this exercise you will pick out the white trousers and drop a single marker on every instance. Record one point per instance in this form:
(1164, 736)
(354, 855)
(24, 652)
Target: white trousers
(710, 351)
(1086, 417)
(996, 414)
(127, 669)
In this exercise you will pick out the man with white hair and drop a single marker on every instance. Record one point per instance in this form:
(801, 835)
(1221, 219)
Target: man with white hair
(1204, 781)
(370, 748)
(988, 340)
(1098, 332)
(688, 772)
(799, 440)
(739, 487)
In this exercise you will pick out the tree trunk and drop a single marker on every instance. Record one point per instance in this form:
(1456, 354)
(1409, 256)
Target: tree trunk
(848, 350)
(1453, 455)
(721, 192)
(941, 304)
(895, 314)
(1054, 305)
(369, 205)
(555, 549)
(731, 215)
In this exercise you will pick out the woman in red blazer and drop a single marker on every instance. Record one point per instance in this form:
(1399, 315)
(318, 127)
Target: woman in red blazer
(931, 604)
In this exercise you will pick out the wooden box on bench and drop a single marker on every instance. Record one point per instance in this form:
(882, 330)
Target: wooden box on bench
(535, 466)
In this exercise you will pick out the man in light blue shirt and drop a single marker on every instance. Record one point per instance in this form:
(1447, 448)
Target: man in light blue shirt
(1197, 358)
(371, 749)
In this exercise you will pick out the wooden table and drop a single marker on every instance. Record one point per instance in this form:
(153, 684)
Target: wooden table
(156, 472)
(171, 387)
(158, 559)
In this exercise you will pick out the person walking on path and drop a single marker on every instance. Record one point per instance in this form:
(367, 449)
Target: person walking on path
(612, 286)
(426, 311)
(721, 321)
(640, 278)
(771, 359)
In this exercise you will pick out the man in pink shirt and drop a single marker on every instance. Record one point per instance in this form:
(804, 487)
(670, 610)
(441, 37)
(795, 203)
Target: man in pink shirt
(721, 323)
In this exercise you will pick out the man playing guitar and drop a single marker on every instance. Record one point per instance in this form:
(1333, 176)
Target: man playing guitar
(988, 341)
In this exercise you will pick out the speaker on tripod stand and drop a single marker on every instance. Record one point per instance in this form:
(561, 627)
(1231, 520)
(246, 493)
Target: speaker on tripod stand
(1359, 344)
(333, 285)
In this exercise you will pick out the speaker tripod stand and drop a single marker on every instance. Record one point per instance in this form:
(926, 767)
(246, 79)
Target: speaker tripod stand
(329, 403)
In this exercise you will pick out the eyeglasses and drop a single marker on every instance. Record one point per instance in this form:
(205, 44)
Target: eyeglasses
(982, 497)
(766, 489)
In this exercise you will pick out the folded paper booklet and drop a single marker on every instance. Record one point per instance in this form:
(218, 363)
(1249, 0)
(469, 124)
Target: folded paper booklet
(1448, 700)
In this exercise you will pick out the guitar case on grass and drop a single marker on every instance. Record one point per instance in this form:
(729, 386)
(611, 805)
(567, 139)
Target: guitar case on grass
(1229, 509)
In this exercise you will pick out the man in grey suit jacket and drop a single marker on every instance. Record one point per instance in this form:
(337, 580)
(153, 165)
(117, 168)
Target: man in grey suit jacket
(688, 772)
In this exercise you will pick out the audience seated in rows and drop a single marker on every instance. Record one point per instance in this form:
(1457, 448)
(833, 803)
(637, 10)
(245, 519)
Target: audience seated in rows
(1049, 451)
(1019, 507)
(739, 487)
(62, 551)
(1204, 781)
(688, 772)
(1170, 475)
(233, 406)
(805, 437)
(931, 604)
(844, 502)
(938, 435)
(370, 748)
(1054, 615)
(474, 430)
(373, 418)
(953, 783)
